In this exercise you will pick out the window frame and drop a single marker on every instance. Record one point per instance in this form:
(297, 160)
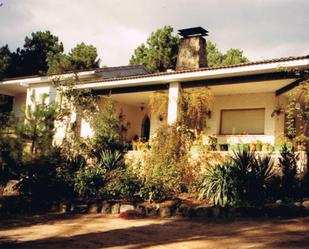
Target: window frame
(240, 109)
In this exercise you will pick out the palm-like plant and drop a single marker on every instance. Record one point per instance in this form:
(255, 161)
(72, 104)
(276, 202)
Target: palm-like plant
(218, 185)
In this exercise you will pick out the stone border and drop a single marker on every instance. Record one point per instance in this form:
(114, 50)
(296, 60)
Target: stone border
(168, 208)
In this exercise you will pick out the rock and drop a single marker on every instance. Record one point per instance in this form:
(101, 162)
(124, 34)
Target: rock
(305, 204)
(93, 208)
(126, 207)
(10, 188)
(278, 202)
(165, 212)
(81, 208)
(106, 208)
(141, 209)
(203, 211)
(115, 208)
(151, 210)
(64, 207)
(185, 211)
(297, 204)
(215, 211)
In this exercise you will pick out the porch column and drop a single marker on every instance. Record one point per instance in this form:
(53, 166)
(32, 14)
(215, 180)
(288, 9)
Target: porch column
(173, 96)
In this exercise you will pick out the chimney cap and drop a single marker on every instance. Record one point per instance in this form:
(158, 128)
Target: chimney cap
(196, 31)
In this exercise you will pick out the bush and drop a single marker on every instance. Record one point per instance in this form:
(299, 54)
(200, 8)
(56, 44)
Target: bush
(107, 130)
(219, 184)
(121, 184)
(244, 179)
(39, 177)
(166, 162)
(289, 182)
(88, 181)
(254, 176)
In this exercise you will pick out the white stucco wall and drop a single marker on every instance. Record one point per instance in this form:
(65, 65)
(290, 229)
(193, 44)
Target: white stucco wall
(18, 103)
(241, 101)
(132, 119)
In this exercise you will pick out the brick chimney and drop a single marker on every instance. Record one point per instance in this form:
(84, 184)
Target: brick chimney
(192, 49)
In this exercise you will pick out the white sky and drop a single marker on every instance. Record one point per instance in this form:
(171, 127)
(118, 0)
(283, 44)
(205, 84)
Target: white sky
(262, 28)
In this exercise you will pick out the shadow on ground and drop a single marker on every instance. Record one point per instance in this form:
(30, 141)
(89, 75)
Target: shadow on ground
(97, 231)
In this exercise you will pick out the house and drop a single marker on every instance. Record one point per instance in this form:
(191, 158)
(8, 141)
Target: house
(245, 95)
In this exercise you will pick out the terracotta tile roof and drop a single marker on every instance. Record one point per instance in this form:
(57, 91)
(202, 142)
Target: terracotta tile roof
(149, 74)
(284, 59)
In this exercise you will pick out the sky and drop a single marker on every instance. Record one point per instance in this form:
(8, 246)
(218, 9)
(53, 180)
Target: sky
(263, 29)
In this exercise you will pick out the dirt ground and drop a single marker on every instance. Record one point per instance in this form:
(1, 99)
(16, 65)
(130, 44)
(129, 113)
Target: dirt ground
(98, 231)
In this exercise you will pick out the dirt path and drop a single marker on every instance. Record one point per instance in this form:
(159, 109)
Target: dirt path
(98, 231)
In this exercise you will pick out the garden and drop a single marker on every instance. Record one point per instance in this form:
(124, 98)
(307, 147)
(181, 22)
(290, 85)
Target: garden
(98, 170)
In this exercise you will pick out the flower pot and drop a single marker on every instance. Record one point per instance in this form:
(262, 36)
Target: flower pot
(265, 147)
(252, 147)
(258, 147)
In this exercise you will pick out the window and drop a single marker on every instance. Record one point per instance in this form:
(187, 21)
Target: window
(242, 121)
(6, 103)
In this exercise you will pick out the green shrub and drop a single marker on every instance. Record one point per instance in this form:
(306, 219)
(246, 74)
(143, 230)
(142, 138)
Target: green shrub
(289, 181)
(166, 161)
(89, 181)
(255, 176)
(152, 191)
(107, 130)
(38, 177)
(110, 160)
(219, 184)
(121, 184)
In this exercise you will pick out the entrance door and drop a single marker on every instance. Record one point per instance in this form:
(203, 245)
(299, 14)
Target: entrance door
(146, 128)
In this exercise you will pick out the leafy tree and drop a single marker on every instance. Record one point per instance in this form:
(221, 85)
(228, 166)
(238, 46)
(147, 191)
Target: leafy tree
(36, 51)
(38, 128)
(107, 130)
(5, 60)
(160, 51)
(234, 56)
(214, 56)
(81, 57)
(84, 57)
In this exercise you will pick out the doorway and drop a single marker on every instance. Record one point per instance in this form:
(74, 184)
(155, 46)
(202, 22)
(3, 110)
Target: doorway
(145, 128)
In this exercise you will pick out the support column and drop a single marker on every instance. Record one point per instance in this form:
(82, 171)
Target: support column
(173, 96)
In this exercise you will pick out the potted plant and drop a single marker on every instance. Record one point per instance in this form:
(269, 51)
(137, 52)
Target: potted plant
(266, 147)
(252, 147)
(302, 142)
(258, 145)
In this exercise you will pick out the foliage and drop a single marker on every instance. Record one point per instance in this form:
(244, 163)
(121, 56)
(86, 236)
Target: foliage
(217, 58)
(88, 181)
(158, 104)
(10, 151)
(39, 179)
(195, 106)
(245, 178)
(5, 61)
(81, 57)
(298, 109)
(219, 185)
(254, 175)
(33, 57)
(289, 182)
(160, 51)
(166, 161)
(42, 52)
(107, 129)
(110, 160)
(121, 184)
(38, 128)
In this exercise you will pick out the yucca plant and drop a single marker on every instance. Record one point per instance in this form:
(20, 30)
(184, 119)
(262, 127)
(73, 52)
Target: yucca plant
(110, 160)
(218, 184)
